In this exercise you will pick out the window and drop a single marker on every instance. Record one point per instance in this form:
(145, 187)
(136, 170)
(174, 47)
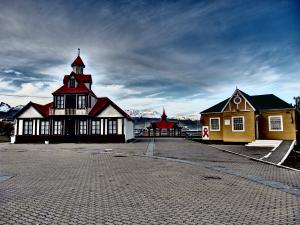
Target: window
(82, 127)
(27, 127)
(44, 127)
(214, 124)
(57, 128)
(81, 102)
(59, 102)
(96, 127)
(72, 83)
(238, 123)
(112, 126)
(275, 123)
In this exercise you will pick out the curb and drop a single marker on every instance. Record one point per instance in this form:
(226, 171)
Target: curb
(255, 159)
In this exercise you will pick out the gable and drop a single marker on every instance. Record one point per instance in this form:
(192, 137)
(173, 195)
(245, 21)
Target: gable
(238, 103)
(31, 112)
(242, 105)
(110, 111)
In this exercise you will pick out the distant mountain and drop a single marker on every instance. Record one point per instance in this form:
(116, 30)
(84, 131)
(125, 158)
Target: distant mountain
(154, 114)
(142, 113)
(8, 112)
(4, 107)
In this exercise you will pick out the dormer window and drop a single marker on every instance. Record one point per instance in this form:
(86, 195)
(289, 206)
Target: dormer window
(72, 83)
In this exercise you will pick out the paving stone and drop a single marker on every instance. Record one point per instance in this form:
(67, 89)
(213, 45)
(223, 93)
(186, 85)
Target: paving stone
(67, 184)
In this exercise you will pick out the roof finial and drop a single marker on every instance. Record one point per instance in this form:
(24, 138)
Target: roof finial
(78, 51)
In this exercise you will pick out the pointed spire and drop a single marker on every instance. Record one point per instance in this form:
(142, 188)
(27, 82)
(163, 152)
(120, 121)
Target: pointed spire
(164, 116)
(78, 63)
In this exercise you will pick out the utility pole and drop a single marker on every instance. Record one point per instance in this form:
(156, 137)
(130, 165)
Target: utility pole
(297, 102)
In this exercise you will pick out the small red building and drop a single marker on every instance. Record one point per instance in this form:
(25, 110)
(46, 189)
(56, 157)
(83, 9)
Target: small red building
(164, 127)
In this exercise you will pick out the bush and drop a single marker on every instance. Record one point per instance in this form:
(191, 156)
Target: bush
(6, 128)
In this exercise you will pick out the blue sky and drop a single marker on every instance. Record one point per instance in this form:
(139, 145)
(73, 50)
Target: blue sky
(183, 55)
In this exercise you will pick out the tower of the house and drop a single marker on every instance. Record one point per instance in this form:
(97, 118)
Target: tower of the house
(78, 64)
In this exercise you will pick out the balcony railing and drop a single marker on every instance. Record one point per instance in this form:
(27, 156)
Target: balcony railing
(69, 111)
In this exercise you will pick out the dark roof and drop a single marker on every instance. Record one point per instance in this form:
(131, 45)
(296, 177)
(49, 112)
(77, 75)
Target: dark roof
(78, 62)
(270, 101)
(259, 102)
(216, 108)
(102, 104)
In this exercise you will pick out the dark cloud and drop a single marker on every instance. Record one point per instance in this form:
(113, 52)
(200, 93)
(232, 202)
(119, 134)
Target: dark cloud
(168, 49)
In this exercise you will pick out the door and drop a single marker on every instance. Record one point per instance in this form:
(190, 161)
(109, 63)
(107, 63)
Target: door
(70, 127)
(71, 101)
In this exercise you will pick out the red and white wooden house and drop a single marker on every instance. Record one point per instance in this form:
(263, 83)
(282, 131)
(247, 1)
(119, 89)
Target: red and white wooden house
(75, 115)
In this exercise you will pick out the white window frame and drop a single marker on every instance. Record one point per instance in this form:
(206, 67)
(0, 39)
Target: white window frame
(28, 127)
(44, 127)
(210, 126)
(60, 101)
(57, 127)
(83, 127)
(281, 122)
(112, 126)
(232, 123)
(81, 104)
(96, 127)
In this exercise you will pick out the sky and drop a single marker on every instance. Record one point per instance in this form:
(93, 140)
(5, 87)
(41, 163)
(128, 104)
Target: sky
(182, 55)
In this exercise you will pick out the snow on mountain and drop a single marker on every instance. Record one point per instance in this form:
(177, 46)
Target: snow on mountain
(154, 114)
(143, 113)
(18, 107)
(4, 107)
(192, 117)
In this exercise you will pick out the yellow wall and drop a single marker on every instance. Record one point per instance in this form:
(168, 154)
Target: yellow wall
(289, 125)
(247, 135)
(213, 135)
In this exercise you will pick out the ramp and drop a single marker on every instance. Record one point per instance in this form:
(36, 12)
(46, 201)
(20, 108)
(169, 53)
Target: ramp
(279, 155)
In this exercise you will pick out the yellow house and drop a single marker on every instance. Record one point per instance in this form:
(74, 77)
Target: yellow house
(245, 118)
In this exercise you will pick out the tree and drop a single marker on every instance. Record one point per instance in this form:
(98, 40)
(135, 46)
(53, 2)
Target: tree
(6, 128)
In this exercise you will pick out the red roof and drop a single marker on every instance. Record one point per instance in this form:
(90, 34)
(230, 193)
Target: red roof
(43, 109)
(80, 89)
(104, 102)
(79, 77)
(163, 124)
(100, 105)
(78, 62)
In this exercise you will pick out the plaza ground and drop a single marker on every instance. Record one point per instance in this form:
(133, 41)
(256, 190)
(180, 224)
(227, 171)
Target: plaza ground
(161, 181)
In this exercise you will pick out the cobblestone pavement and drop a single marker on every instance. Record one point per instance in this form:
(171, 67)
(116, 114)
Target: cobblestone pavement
(255, 152)
(86, 184)
(273, 156)
(197, 152)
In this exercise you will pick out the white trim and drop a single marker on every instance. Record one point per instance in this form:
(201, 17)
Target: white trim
(210, 127)
(237, 91)
(281, 123)
(232, 124)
